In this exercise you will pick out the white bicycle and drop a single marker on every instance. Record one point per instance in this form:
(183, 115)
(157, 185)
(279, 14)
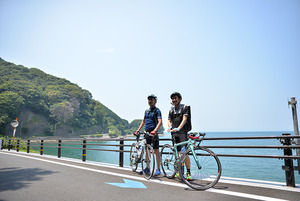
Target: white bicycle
(141, 152)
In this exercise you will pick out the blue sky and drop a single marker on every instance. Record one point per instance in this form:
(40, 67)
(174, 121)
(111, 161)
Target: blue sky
(235, 62)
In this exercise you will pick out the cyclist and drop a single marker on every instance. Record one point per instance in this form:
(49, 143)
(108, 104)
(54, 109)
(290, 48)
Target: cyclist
(152, 121)
(177, 125)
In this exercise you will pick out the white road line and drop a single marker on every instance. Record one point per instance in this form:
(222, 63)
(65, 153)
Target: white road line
(258, 183)
(228, 180)
(244, 195)
(238, 194)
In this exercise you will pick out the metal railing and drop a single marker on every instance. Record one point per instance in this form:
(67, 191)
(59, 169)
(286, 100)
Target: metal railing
(286, 140)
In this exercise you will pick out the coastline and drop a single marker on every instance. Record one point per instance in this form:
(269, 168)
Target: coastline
(105, 136)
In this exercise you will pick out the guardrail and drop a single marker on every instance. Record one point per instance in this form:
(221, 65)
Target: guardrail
(286, 140)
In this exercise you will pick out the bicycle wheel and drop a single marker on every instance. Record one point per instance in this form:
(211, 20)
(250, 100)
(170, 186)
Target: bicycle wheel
(168, 161)
(148, 161)
(133, 156)
(209, 172)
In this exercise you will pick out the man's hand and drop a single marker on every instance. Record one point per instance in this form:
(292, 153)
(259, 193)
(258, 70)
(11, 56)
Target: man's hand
(137, 133)
(153, 132)
(175, 130)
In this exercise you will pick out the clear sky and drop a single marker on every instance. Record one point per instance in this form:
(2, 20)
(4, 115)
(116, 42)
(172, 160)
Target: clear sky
(235, 62)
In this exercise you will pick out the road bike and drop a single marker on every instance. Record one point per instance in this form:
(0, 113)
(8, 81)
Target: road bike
(141, 152)
(205, 165)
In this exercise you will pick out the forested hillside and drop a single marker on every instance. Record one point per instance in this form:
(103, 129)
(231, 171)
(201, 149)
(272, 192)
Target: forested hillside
(48, 105)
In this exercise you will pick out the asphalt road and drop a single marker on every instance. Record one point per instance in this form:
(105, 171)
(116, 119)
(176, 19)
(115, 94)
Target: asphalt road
(33, 177)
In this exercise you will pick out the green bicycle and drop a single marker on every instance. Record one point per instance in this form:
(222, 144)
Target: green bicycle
(205, 165)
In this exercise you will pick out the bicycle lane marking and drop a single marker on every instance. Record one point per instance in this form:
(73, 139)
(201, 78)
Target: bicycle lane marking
(232, 193)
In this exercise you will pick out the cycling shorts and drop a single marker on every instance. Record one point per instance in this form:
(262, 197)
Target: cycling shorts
(154, 141)
(179, 137)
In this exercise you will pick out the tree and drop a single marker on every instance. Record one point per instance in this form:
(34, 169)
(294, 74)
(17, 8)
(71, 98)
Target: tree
(75, 103)
(10, 107)
(62, 111)
(99, 112)
(135, 123)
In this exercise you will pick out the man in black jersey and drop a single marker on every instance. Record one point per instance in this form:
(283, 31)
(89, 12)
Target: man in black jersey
(177, 125)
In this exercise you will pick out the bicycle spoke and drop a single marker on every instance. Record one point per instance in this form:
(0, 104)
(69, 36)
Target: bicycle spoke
(148, 162)
(133, 157)
(168, 161)
(209, 172)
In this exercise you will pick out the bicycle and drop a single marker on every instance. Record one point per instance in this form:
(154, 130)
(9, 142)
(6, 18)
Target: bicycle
(141, 152)
(205, 165)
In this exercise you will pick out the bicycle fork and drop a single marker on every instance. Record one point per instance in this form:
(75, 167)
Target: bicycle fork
(195, 158)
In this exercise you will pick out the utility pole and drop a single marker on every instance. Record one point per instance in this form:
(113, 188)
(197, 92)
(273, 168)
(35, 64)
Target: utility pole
(293, 103)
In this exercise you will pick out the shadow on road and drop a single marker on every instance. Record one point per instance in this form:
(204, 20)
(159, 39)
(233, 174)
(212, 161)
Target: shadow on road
(15, 178)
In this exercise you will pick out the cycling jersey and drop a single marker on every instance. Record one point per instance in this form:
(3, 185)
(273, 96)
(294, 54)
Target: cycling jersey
(176, 116)
(151, 118)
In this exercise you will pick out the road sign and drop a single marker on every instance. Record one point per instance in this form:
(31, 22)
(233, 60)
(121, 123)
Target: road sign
(14, 124)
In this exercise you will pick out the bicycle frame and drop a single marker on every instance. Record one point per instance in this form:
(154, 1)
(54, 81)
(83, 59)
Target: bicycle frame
(198, 177)
(141, 143)
(189, 145)
(143, 153)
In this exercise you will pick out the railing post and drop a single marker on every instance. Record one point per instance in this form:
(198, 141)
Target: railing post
(9, 144)
(84, 150)
(121, 155)
(293, 102)
(28, 146)
(2, 144)
(42, 147)
(288, 163)
(18, 145)
(59, 149)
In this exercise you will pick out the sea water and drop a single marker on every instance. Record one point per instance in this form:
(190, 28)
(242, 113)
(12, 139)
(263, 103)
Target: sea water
(269, 169)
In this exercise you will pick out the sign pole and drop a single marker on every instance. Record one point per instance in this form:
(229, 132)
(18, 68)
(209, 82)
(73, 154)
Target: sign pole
(14, 124)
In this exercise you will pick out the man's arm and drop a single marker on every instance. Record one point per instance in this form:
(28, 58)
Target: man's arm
(169, 125)
(184, 119)
(158, 125)
(141, 126)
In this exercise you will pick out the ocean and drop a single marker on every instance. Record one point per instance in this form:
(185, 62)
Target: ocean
(268, 169)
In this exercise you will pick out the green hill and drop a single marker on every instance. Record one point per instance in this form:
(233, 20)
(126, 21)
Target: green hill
(48, 105)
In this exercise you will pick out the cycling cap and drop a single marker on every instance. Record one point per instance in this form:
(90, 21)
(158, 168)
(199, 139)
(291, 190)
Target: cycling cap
(176, 94)
(152, 96)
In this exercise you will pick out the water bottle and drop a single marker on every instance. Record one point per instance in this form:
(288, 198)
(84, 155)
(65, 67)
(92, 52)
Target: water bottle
(140, 150)
(182, 151)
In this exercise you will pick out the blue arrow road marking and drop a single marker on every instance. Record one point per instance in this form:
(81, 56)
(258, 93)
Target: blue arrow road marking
(129, 184)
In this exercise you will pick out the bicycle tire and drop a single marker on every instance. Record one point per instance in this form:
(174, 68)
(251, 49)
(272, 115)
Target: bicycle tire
(148, 161)
(133, 156)
(209, 173)
(168, 161)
